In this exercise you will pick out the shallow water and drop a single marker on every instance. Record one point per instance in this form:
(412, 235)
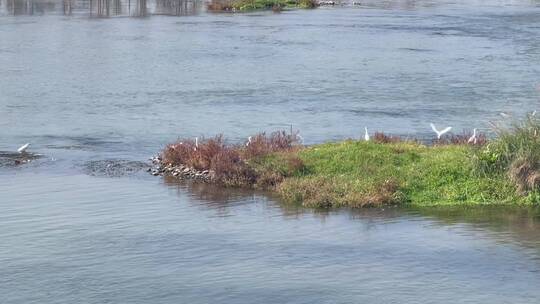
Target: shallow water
(138, 240)
(97, 97)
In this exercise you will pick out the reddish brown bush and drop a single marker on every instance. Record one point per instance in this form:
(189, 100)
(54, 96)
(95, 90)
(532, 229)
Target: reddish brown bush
(381, 138)
(198, 156)
(230, 169)
(178, 153)
(228, 163)
(294, 164)
(220, 5)
(525, 173)
(262, 144)
(462, 139)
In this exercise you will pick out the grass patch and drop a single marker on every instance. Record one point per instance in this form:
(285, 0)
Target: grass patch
(384, 171)
(253, 5)
(358, 173)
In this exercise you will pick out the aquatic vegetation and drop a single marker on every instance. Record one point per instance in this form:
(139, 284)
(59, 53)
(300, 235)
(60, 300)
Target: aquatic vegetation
(385, 170)
(251, 5)
(257, 163)
(465, 138)
(515, 152)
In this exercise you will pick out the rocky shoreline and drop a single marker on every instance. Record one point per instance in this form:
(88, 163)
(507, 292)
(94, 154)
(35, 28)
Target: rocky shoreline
(181, 172)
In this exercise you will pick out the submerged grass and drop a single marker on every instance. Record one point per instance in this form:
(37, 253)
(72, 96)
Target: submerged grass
(384, 171)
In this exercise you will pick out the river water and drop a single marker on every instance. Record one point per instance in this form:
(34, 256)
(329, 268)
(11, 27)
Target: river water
(96, 97)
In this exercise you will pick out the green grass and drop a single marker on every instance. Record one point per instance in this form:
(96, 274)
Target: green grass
(503, 170)
(247, 5)
(358, 173)
(254, 5)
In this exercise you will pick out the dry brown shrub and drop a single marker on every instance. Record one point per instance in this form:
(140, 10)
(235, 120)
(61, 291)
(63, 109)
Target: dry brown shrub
(262, 144)
(314, 192)
(178, 153)
(269, 179)
(229, 163)
(525, 173)
(381, 138)
(230, 170)
(186, 152)
(323, 192)
(383, 194)
(294, 164)
(219, 5)
(463, 139)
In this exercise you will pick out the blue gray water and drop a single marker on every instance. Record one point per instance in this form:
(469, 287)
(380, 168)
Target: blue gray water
(96, 97)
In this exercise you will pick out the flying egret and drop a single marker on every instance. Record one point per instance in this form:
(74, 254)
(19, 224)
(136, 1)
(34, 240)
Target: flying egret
(439, 133)
(249, 141)
(366, 134)
(533, 113)
(23, 148)
(505, 115)
(472, 139)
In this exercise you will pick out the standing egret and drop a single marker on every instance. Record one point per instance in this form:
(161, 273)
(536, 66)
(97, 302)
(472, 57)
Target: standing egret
(533, 113)
(249, 141)
(439, 133)
(301, 138)
(196, 144)
(472, 139)
(366, 134)
(23, 148)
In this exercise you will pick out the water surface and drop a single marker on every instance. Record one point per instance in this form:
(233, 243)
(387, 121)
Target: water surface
(83, 222)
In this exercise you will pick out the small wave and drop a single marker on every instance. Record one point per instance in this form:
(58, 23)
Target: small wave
(114, 167)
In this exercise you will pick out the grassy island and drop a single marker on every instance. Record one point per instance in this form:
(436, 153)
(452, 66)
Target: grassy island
(255, 5)
(385, 170)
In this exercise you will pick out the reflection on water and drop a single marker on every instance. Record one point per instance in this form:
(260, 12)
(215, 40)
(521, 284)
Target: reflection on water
(509, 223)
(140, 241)
(101, 95)
(223, 199)
(101, 8)
(519, 224)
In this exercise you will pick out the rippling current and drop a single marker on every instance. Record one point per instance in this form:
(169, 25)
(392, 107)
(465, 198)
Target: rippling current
(81, 220)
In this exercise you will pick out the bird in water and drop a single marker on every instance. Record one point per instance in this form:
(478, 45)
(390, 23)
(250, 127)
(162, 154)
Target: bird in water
(440, 133)
(23, 148)
(472, 139)
(366, 134)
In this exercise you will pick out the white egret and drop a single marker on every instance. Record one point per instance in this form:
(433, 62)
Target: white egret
(23, 148)
(249, 141)
(533, 113)
(366, 134)
(196, 144)
(505, 115)
(301, 138)
(472, 139)
(440, 133)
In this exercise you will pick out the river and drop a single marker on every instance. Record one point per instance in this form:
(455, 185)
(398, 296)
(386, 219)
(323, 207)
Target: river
(96, 97)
